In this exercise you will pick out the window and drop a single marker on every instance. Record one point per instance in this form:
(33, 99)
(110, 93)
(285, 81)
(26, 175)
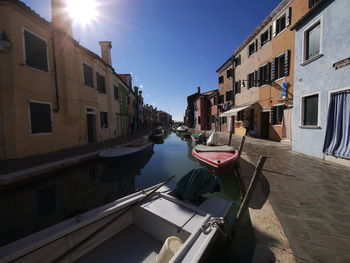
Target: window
(237, 87)
(252, 48)
(280, 66)
(312, 41)
(221, 99)
(277, 114)
(101, 83)
(281, 23)
(223, 120)
(265, 74)
(237, 61)
(104, 119)
(116, 92)
(35, 51)
(310, 110)
(221, 79)
(215, 100)
(88, 76)
(229, 73)
(213, 119)
(40, 117)
(229, 95)
(199, 120)
(251, 80)
(265, 37)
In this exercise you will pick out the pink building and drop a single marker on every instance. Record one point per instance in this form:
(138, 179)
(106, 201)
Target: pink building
(206, 111)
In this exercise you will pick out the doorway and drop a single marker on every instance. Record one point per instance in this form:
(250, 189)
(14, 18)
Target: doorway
(91, 124)
(265, 122)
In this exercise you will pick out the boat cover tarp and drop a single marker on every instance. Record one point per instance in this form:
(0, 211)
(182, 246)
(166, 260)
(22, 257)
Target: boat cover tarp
(197, 182)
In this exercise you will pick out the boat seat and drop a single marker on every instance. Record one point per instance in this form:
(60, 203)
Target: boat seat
(216, 148)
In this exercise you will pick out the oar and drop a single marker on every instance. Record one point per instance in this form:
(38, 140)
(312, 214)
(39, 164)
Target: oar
(61, 257)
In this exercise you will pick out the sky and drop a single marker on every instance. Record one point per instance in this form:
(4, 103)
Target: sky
(170, 46)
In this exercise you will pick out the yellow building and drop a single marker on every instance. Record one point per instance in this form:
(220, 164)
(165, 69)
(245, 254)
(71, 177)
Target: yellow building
(54, 93)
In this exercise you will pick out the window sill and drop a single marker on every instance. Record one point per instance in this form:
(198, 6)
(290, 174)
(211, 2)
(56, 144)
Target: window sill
(310, 127)
(279, 33)
(277, 125)
(311, 59)
(37, 69)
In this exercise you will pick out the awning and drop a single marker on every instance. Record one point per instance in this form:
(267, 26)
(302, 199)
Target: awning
(233, 112)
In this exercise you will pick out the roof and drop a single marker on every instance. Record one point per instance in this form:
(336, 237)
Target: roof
(225, 65)
(265, 22)
(312, 11)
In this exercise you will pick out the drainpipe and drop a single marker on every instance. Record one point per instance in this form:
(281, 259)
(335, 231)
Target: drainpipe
(233, 99)
(57, 108)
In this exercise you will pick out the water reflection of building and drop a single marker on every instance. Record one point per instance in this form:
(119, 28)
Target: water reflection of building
(44, 203)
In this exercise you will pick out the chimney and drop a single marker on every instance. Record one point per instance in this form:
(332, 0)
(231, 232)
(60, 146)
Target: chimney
(61, 19)
(106, 51)
(199, 90)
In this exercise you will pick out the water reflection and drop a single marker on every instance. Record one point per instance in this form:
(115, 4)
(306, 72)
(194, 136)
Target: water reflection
(46, 202)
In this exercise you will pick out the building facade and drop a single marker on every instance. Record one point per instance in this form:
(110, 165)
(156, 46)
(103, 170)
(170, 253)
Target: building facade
(54, 93)
(322, 82)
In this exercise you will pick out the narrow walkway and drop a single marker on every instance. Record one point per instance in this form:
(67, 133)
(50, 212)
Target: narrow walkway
(309, 196)
(13, 165)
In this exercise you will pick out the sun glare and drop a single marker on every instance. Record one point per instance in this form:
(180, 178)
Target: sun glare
(82, 11)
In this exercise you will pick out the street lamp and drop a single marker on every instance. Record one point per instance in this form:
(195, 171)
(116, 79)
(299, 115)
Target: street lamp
(5, 44)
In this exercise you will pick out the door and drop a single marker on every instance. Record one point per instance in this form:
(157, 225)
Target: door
(91, 124)
(265, 122)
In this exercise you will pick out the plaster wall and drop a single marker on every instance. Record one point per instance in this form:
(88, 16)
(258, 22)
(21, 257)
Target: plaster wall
(320, 76)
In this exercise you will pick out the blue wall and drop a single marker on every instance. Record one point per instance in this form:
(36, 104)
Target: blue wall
(319, 75)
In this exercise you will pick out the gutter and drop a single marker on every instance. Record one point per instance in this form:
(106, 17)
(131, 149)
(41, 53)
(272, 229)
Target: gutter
(57, 108)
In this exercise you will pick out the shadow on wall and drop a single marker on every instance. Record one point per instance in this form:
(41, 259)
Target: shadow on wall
(273, 134)
(262, 190)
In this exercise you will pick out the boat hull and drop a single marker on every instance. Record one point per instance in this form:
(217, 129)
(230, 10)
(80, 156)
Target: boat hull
(217, 162)
(128, 155)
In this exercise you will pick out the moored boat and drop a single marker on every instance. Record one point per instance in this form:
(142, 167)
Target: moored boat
(182, 128)
(130, 229)
(157, 133)
(126, 153)
(220, 158)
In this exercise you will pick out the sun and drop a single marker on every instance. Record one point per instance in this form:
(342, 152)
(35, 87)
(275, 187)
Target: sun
(82, 11)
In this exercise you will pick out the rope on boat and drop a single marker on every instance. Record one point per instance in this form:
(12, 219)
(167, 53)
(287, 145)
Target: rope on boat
(216, 222)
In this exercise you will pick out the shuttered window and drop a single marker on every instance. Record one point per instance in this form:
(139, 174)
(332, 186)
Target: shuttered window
(221, 79)
(237, 61)
(265, 37)
(40, 117)
(310, 110)
(282, 22)
(88, 76)
(277, 114)
(116, 92)
(229, 95)
(252, 48)
(312, 40)
(265, 75)
(221, 99)
(251, 80)
(35, 51)
(104, 119)
(280, 66)
(101, 83)
(237, 87)
(229, 73)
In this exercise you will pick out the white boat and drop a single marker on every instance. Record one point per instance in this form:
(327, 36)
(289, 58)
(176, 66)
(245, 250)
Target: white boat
(182, 128)
(130, 229)
(126, 153)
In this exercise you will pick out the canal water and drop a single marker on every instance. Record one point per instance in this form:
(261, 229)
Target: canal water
(43, 203)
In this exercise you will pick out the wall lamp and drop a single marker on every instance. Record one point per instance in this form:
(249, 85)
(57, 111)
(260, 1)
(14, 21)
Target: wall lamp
(5, 44)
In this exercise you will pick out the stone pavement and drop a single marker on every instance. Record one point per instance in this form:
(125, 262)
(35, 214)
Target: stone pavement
(309, 196)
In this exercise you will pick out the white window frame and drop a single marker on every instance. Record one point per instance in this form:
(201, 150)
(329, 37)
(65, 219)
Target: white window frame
(82, 70)
(24, 51)
(301, 114)
(303, 44)
(30, 121)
